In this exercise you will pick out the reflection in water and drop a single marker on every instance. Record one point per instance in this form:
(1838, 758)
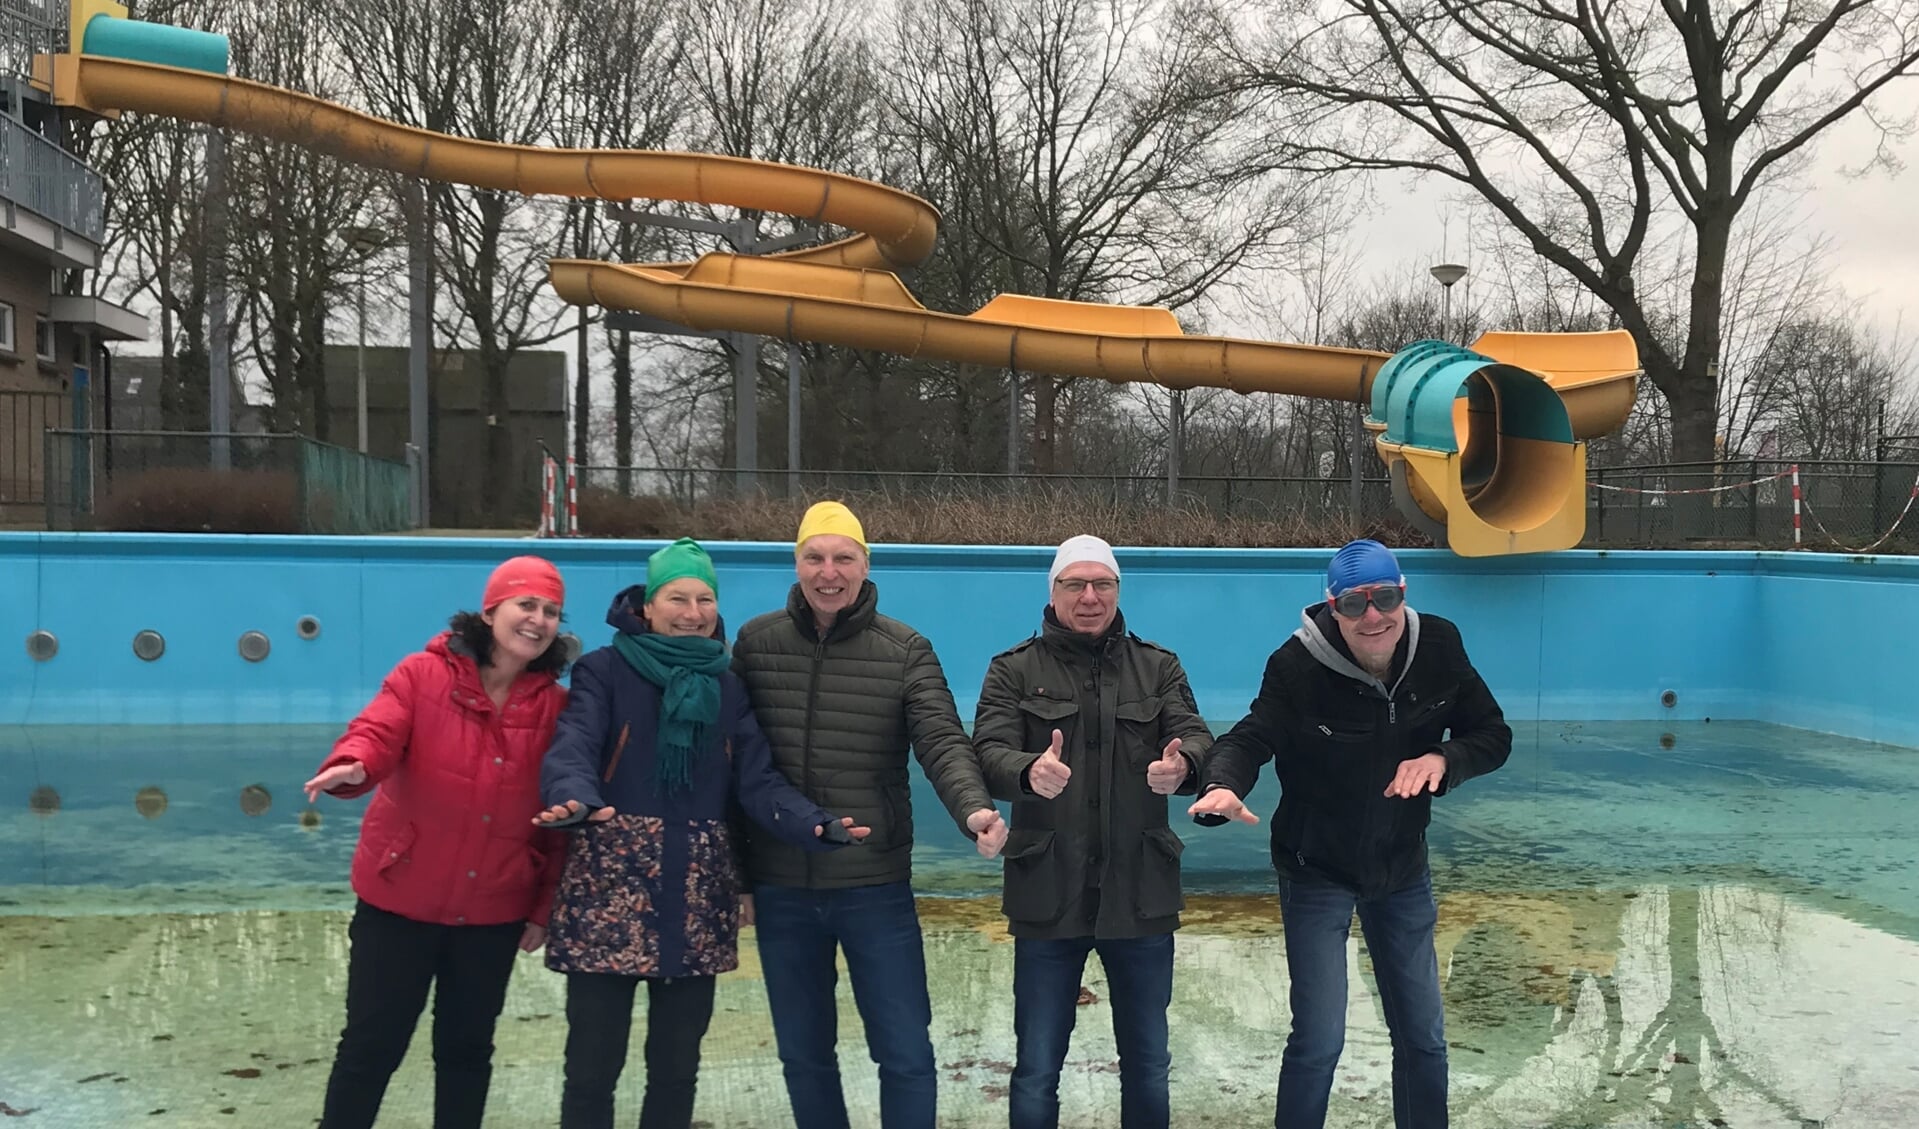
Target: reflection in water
(255, 800)
(1724, 1005)
(1721, 933)
(150, 802)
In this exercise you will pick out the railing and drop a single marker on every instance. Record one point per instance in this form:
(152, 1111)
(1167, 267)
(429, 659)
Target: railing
(167, 481)
(29, 28)
(24, 418)
(1262, 497)
(40, 176)
(1855, 502)
(1847, 504)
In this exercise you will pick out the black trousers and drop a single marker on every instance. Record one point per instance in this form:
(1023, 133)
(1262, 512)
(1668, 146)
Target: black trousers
(599, 1020)
(394, 960)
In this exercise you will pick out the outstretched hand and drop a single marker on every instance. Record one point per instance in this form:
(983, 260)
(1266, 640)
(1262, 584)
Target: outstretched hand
(568, 813)
(1421, 774)
(1049, 774)
(339, 776)
(1222, 803)
(989, 831)
(1166, 774)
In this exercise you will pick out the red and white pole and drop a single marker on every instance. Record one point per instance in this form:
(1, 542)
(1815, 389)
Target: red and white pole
(546, 497)
(1795, 504)
(572, 500)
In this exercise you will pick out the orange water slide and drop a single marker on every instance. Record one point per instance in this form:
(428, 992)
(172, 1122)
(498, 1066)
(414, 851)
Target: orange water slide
(898, 228)
(1486, 444)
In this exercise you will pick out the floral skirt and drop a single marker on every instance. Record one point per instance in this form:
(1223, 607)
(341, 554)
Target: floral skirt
(645, 896)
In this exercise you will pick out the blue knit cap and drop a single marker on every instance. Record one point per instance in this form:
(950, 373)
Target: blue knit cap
(1361, 563)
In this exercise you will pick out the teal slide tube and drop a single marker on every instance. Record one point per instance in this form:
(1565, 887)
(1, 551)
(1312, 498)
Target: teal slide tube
(156, 43)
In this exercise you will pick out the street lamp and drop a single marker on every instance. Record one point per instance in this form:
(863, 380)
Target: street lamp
(1446, 274)
(365, 240)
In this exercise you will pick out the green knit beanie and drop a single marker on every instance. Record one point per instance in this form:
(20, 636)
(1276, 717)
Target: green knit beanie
(682, 558)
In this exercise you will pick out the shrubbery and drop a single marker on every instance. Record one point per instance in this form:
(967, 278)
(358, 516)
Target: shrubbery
(977, 521)
(199, 500)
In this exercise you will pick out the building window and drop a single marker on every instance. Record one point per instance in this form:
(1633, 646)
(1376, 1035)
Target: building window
(43, 340)
(6, 326)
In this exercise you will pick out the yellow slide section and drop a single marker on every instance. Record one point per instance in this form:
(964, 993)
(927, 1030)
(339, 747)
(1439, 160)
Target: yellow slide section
(844, 293)
(899, 227)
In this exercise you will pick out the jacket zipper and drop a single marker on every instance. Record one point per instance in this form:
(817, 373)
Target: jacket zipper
(806, 745)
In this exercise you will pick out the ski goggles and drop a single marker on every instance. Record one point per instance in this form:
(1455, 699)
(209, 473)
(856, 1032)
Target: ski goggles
(1352, 603)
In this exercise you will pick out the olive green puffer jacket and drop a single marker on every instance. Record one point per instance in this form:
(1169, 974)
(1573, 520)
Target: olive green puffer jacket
(840, 713)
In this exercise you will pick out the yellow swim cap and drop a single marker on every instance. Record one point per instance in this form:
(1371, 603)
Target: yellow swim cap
(830, 517)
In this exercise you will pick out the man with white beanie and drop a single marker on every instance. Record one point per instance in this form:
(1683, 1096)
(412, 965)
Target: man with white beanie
(1368, 713)
(1087, 728)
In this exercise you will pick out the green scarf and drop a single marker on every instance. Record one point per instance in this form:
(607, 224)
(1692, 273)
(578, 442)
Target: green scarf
(687, 670)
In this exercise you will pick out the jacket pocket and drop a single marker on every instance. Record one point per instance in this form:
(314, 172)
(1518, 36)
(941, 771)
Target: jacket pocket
(1139, 729)
(396, 850)
(1042, 716)
(1035, 876)
(1159, 887)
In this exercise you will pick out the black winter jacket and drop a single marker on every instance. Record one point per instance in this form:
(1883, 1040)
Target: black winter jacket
(1337, 736)
(840, 713)
(1099, 859)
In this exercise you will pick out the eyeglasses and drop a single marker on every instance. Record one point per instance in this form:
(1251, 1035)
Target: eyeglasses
(1078, 587)
(1352, 604)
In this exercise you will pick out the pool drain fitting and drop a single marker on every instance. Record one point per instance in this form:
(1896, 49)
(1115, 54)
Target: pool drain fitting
(254, 646)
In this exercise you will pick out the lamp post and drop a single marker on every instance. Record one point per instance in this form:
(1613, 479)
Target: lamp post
(1446, 274)
(366, 241)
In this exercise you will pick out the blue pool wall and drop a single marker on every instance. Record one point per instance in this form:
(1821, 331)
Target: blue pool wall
(1817, 641)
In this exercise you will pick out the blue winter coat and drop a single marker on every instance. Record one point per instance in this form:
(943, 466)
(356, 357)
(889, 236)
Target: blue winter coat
(654, 891)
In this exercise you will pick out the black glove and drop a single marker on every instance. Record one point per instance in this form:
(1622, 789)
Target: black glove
(572, 819)
(833, 831)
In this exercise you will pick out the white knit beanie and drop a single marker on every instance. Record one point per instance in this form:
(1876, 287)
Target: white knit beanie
(1085, 547)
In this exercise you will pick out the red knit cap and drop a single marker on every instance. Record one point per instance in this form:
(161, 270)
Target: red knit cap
(524, 576)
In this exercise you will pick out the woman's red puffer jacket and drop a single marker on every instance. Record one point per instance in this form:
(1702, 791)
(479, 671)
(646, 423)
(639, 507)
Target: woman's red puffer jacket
(448, 838)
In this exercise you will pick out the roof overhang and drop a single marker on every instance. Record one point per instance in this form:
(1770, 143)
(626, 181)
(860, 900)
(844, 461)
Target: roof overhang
(106, 320)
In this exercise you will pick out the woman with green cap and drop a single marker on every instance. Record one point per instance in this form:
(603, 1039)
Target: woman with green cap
(657, 747)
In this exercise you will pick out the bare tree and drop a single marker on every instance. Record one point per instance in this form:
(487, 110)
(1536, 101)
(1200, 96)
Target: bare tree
(1587, 124)
(789, 81)
(494, 71)
(288, 206)
(156, 246)
(1083, 150)
(624, 92)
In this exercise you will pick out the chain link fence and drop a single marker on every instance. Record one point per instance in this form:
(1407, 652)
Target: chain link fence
(1845, 504)
(1748, 502)
(1259, 498)
(182, 481)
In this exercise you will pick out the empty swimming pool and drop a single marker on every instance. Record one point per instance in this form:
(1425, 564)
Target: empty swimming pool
(1646, 918)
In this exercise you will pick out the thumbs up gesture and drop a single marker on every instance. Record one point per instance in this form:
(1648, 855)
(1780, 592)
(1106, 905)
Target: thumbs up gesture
(1049, 774)
(1166, 774)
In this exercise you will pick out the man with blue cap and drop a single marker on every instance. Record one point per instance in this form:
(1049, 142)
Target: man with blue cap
(1367, 712)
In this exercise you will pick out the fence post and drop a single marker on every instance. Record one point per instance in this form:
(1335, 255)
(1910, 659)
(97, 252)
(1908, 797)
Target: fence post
(1795, 506)
(572, 499)
(1599, 505)
(546, 496)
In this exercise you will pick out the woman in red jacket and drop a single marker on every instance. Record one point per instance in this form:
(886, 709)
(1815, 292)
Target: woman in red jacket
(451, 875)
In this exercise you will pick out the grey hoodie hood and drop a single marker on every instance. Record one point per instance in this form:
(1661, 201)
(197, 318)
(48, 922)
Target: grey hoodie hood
(1335, 660)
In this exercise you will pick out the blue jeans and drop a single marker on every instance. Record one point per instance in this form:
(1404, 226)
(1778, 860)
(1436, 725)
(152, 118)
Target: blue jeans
(1399, 935)
(1046, 980)
(879, 928)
